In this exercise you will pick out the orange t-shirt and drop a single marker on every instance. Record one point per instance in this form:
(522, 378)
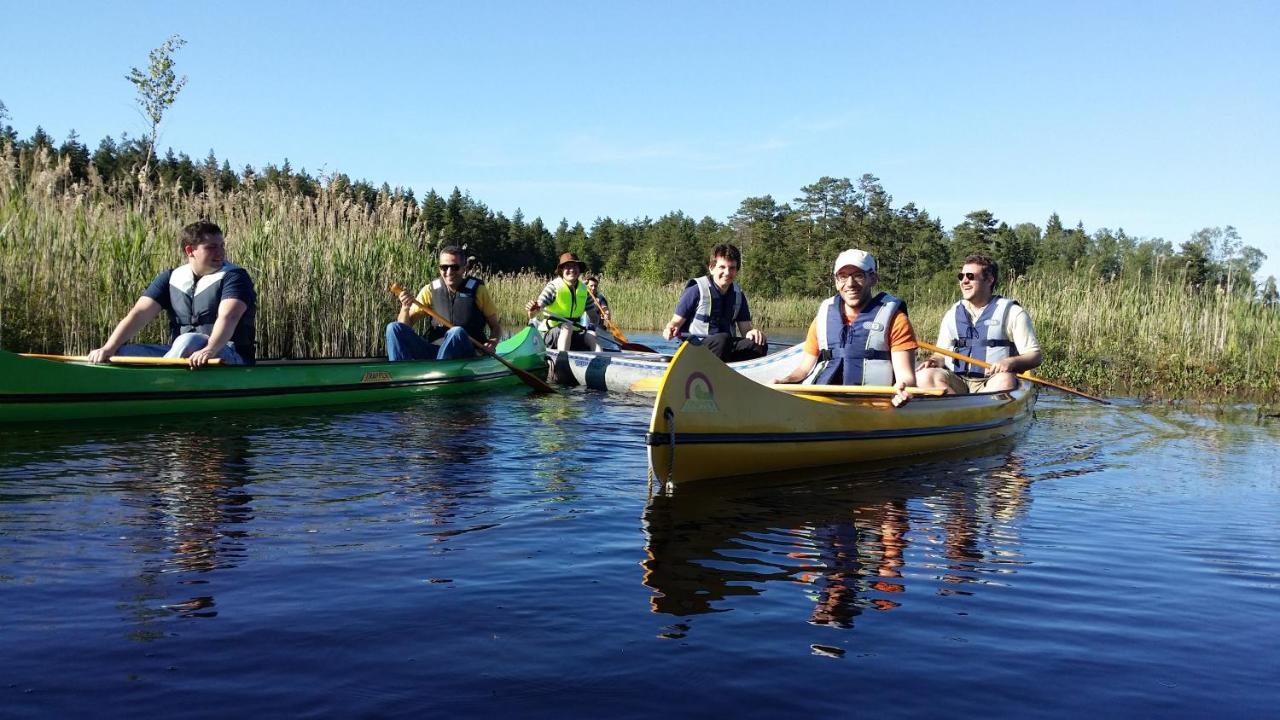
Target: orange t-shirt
(901, 336)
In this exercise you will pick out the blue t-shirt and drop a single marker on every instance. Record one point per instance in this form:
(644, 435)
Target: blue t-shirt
(688, 307)
(236, 285)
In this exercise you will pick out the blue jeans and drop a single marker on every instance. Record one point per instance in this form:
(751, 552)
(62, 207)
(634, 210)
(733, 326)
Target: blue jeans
(405, 344)
(183, 346)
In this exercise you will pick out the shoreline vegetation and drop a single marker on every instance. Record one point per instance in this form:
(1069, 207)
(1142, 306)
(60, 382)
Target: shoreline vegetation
(76, 250)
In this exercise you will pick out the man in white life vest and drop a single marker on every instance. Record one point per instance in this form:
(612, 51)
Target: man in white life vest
(210, 304)
(985, 327)
(714, 310)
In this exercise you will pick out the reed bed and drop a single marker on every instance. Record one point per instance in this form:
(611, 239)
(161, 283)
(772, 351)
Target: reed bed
(74, 259)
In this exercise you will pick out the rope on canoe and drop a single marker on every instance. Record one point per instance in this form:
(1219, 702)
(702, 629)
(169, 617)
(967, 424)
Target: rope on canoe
(670, 417)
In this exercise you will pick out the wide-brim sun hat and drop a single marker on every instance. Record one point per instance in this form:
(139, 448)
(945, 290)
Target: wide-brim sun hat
(566, 258)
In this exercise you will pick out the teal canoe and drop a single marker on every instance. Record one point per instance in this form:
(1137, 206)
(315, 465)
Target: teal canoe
(33, 390)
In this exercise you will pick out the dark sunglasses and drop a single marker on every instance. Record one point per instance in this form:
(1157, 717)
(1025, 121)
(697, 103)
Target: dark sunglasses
(967, 276)
(447, 268)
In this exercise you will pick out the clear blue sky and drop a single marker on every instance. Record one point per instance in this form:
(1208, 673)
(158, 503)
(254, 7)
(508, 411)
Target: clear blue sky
(1156, 117)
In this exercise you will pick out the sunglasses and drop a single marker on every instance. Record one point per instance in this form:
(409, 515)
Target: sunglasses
(447, 268)
(968, 276)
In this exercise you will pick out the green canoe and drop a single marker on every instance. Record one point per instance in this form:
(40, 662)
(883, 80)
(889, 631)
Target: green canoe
(37, 390)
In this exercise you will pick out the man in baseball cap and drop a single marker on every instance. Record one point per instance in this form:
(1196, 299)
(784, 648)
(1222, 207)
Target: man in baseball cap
(863, 337)
(855, 258)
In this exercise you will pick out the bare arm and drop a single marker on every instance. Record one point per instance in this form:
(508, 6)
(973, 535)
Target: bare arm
(1017, 363)
(229, 313)
(139, 315)
(409, 312)
(495, 330)
(904, 366)
(800, 372)
(748, 331)
(673, 328)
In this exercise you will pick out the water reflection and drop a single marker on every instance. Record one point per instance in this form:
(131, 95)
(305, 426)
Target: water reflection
(190, 508)
(848, 541)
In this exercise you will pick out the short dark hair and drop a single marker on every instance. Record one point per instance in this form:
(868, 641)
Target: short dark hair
(989, 266)
(726, 251)
(594, 279)
(453, 250)
(197, 232)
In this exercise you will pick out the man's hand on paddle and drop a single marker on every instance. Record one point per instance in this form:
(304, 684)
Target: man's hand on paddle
(901, 397)
(999, 366)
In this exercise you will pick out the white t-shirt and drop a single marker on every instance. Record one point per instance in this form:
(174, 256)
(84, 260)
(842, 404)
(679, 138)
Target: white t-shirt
(1017, 326)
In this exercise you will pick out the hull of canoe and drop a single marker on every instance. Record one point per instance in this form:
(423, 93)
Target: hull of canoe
(709, 422)
(640, 372)
(35, 390)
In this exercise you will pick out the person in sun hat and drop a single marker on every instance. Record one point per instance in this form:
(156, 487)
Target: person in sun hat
(566, 296)
(210, 304)
(461, 299)
(986, 327)
(863, 337)
(714, 310)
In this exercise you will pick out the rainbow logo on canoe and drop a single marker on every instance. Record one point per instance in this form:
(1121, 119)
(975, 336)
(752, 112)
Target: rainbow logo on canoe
(699, 396)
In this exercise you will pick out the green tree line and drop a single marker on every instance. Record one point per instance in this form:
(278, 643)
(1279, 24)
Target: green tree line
(787, 246)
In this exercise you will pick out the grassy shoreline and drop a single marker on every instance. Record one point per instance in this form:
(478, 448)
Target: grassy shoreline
(72, 263)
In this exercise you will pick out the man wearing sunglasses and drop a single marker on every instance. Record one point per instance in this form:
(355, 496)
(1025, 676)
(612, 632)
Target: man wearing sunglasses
(463, 301)
(986, 327)
(863, 337)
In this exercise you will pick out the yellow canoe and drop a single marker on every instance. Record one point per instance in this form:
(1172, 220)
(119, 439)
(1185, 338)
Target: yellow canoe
(709, 421)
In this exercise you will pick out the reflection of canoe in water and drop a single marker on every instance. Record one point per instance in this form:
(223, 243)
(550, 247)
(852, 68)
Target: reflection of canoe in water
(838, 535)
(641, 372)
(709, 421)
(33, 389)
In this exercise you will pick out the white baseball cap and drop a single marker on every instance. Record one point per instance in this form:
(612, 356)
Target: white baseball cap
(857, 258)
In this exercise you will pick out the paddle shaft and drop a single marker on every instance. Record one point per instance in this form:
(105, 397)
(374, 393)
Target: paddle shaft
(607, 322)
(850, 390)
(121, 359)
(1024, 375)
(528, 378)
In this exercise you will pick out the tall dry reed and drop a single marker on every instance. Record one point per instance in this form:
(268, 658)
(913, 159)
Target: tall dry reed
(73, 260)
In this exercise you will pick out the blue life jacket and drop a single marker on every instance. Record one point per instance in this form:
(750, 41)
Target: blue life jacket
(985, 339)
(857, 353)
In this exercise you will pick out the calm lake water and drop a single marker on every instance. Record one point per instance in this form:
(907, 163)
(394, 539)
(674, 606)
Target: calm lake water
(505, 554)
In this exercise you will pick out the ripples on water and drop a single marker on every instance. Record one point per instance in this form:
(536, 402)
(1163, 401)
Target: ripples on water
(463, 554)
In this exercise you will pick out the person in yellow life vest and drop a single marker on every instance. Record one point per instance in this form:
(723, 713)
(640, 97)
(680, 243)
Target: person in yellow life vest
(566, 296)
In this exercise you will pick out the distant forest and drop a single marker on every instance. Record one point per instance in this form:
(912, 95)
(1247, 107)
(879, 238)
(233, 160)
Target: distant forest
(787, 246)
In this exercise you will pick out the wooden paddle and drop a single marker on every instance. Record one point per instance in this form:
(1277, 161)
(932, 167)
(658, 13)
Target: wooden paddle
(1023, 375)
(651, 385)
(121, 359)
(624, 343)
(890, 390)
(633, 347)
(529, 379)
